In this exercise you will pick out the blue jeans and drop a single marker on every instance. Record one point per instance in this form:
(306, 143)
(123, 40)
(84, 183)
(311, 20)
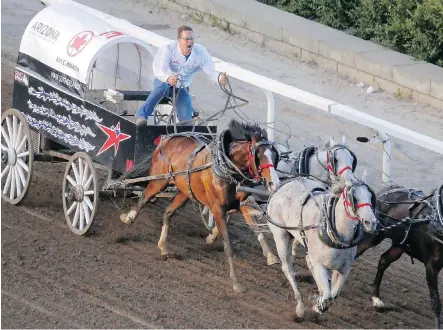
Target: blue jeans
(161, 89)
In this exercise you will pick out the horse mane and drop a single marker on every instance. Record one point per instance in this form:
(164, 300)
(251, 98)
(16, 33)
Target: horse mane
(246, 131)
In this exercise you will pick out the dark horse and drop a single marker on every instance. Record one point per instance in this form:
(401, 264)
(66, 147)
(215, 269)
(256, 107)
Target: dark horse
(209, 174)
(414, 223)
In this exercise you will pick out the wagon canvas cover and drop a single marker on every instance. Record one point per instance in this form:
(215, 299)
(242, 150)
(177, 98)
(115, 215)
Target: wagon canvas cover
(62, 48)
(63, 43)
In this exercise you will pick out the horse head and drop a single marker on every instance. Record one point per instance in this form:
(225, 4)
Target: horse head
(341, 163)
(260, 156)
(359, 203)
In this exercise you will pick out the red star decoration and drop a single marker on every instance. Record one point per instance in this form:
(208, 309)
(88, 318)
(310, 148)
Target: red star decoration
(115, 136)
(78, 42)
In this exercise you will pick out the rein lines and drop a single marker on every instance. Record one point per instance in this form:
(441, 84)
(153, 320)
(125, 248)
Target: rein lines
(167, 176)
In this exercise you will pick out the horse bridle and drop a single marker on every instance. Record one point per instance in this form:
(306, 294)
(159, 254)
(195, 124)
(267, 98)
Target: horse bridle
(252, 159)
(330, 160)
(345, 194)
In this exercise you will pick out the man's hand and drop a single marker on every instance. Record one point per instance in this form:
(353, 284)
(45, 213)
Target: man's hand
(172, 81)
(223, 79)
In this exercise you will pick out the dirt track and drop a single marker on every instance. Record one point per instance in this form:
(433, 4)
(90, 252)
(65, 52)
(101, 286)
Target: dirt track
(114, 278)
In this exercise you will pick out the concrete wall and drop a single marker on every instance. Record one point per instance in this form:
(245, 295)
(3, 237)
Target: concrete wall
(306, 40)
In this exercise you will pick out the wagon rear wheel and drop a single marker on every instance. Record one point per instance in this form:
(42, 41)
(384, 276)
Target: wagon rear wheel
(80, 193)
(17, 156)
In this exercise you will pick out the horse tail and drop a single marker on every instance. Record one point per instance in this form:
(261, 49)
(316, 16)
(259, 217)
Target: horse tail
(139, 170)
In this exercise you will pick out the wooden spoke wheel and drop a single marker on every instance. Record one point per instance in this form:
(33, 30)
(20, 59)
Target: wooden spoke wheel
(17, 156)
(80, 193)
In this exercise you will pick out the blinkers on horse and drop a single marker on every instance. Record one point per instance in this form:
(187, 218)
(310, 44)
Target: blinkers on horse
(253, 158)
(349, 199)
(331, 160)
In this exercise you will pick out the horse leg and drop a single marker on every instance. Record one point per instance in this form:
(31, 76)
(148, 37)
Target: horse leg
(295, 245)
(367, 243)
(179, 201)
(387, 258)
(219, 217)
(338, 280)
(153, 188)
(247, 213)
(321, 277)
(282, 241)
(432, 271)
(271, 258)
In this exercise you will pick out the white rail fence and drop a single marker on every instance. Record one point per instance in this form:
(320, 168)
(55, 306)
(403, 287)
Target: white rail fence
(381, 127)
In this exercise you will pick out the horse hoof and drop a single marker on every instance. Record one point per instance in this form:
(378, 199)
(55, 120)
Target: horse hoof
(210, 239)
(317, 310)
(377, 303)
(300, 312)
(129, 217)
(272, 259)
(124, 218)
(238, 288)
(321, 305)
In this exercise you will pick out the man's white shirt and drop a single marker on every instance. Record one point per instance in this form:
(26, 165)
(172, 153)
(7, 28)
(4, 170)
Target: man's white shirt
(169, 61)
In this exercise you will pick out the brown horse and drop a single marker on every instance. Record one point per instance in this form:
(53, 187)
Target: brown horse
(209, 173)
(414, 223)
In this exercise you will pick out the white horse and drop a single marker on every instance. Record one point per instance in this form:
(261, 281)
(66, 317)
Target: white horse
(329, 164)
(327, 225)
(332, 165)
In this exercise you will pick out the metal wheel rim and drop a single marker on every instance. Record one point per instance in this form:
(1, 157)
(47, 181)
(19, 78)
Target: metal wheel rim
(16, 146)
(207, 217)
(79, 213)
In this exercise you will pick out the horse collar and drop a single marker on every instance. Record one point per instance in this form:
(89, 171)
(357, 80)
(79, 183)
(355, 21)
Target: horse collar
(327, 231)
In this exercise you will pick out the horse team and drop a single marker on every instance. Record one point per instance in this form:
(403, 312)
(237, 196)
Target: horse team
(316, 201)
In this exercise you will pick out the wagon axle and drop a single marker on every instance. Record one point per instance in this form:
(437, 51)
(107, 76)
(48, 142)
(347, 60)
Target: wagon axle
(76, 193)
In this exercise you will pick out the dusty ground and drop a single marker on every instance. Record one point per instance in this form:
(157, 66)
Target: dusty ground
(114, 277)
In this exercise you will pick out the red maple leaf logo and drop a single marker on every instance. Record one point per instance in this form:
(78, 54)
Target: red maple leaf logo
(115, 136)
(79, 42)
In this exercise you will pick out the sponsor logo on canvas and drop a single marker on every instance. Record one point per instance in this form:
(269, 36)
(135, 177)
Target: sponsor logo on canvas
(79, 42)
(67, 64)
(21, 77)
(65, 81)
(45, 32)
(111, 34)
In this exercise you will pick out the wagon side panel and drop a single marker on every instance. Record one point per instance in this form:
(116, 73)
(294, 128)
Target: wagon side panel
(75, 124)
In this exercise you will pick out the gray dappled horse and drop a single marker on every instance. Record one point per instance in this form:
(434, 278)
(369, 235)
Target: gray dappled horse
(329, 226)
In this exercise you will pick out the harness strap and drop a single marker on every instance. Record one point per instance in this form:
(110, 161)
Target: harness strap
(191, 159)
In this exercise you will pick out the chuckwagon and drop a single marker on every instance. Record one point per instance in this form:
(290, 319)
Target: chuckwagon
(77, 84)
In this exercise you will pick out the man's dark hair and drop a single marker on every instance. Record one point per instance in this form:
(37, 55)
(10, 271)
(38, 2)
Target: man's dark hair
(182, 28)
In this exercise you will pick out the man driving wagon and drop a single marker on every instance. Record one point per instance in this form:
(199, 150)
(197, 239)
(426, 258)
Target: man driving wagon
(181, 58)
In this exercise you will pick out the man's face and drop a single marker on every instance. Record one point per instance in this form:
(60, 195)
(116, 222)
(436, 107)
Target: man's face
(187, 40)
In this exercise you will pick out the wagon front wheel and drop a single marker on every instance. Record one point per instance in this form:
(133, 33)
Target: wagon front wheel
(17, 156)
(80, 193)
(208, 217)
